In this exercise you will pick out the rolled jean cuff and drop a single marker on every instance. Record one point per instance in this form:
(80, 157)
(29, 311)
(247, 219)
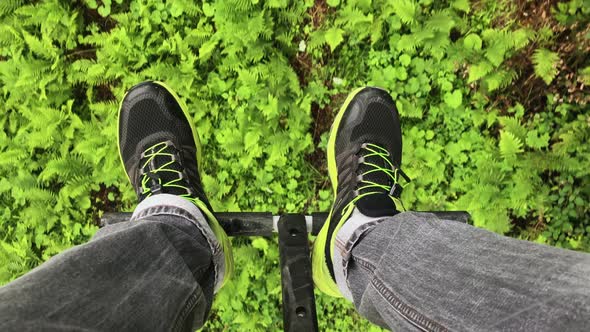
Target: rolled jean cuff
(165, 204)
(346, 238)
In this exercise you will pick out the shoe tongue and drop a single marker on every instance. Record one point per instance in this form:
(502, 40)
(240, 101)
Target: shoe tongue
(376, 205)
(379, 203)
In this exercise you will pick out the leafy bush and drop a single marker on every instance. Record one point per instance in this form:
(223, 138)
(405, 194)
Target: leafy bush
(492, 102)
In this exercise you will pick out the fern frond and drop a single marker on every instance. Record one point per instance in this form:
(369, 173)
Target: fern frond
(546, 64)
(479, 70)
(64, 169)
(405, 9)
(78, 186)
(9, 36)
(513, 125)
(407, 43)
(520, 38)
(500, 79)
(440, 21)
(9, 6)
(510, 145)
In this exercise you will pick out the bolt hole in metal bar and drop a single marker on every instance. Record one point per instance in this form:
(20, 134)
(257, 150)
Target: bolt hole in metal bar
(299, 312)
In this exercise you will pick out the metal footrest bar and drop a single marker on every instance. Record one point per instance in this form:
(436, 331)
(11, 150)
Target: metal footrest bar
(265, 224)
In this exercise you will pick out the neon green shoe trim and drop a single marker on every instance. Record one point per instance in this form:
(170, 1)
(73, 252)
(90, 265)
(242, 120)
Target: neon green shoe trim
(213, 222)
(321, 273)
(223, 240)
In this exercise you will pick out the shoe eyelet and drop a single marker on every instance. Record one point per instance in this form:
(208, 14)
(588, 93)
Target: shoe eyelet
(156, 189)
(396, 190)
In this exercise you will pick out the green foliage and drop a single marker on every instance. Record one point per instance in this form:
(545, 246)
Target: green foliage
(571, 12)
(488, 62)
(510, 145)
(251, 72)
(334, 37)
(405, 10)
(546, 63)
(105, 6)
(464, 152)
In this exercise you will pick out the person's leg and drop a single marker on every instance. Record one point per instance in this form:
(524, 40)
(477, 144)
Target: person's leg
(156, 274)
(414, 271)
(151, 274)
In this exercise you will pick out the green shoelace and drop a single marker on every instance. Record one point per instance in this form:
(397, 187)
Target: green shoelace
(392, 173)
(177, 178)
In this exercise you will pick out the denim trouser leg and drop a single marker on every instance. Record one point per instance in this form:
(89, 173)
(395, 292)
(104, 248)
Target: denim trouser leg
(152, 274)
(408, 272)
(416, 272)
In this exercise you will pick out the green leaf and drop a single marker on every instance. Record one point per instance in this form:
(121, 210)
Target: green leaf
(545, 63)
(462, 5)
(472, 42)
(584, 75)
(535, 141)
(440, 21)
(176, 8)
(251, 139)
(104, 11)
(208, 10)
(333, 3)
(513, 125)
(520, 38)
(334, 37)
(405, 60)
(405, 9)
(479, 70)
(207, 49)
(510, 145)
(455, 99)
(260, 243)
(406, 43)
(495, 53)
(92, 4)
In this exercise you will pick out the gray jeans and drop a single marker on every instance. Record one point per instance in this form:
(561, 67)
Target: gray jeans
(408, 272)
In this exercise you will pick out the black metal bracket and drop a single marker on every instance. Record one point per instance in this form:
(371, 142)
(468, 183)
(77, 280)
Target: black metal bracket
(299, 311)
(297, 284)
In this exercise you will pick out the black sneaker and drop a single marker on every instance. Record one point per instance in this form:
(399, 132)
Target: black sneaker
(364, 158)
(161, 152)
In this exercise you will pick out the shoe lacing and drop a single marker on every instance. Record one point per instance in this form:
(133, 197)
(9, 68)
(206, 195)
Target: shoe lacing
(393, 188)
(162, 172)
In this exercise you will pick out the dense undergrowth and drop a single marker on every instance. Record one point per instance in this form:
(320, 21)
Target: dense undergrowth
(493, 97)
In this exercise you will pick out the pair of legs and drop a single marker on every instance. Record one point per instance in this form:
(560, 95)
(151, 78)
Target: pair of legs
(156, 274)
(403, 271)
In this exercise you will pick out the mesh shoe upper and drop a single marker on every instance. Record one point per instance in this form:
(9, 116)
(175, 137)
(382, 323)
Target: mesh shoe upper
(154, 132)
